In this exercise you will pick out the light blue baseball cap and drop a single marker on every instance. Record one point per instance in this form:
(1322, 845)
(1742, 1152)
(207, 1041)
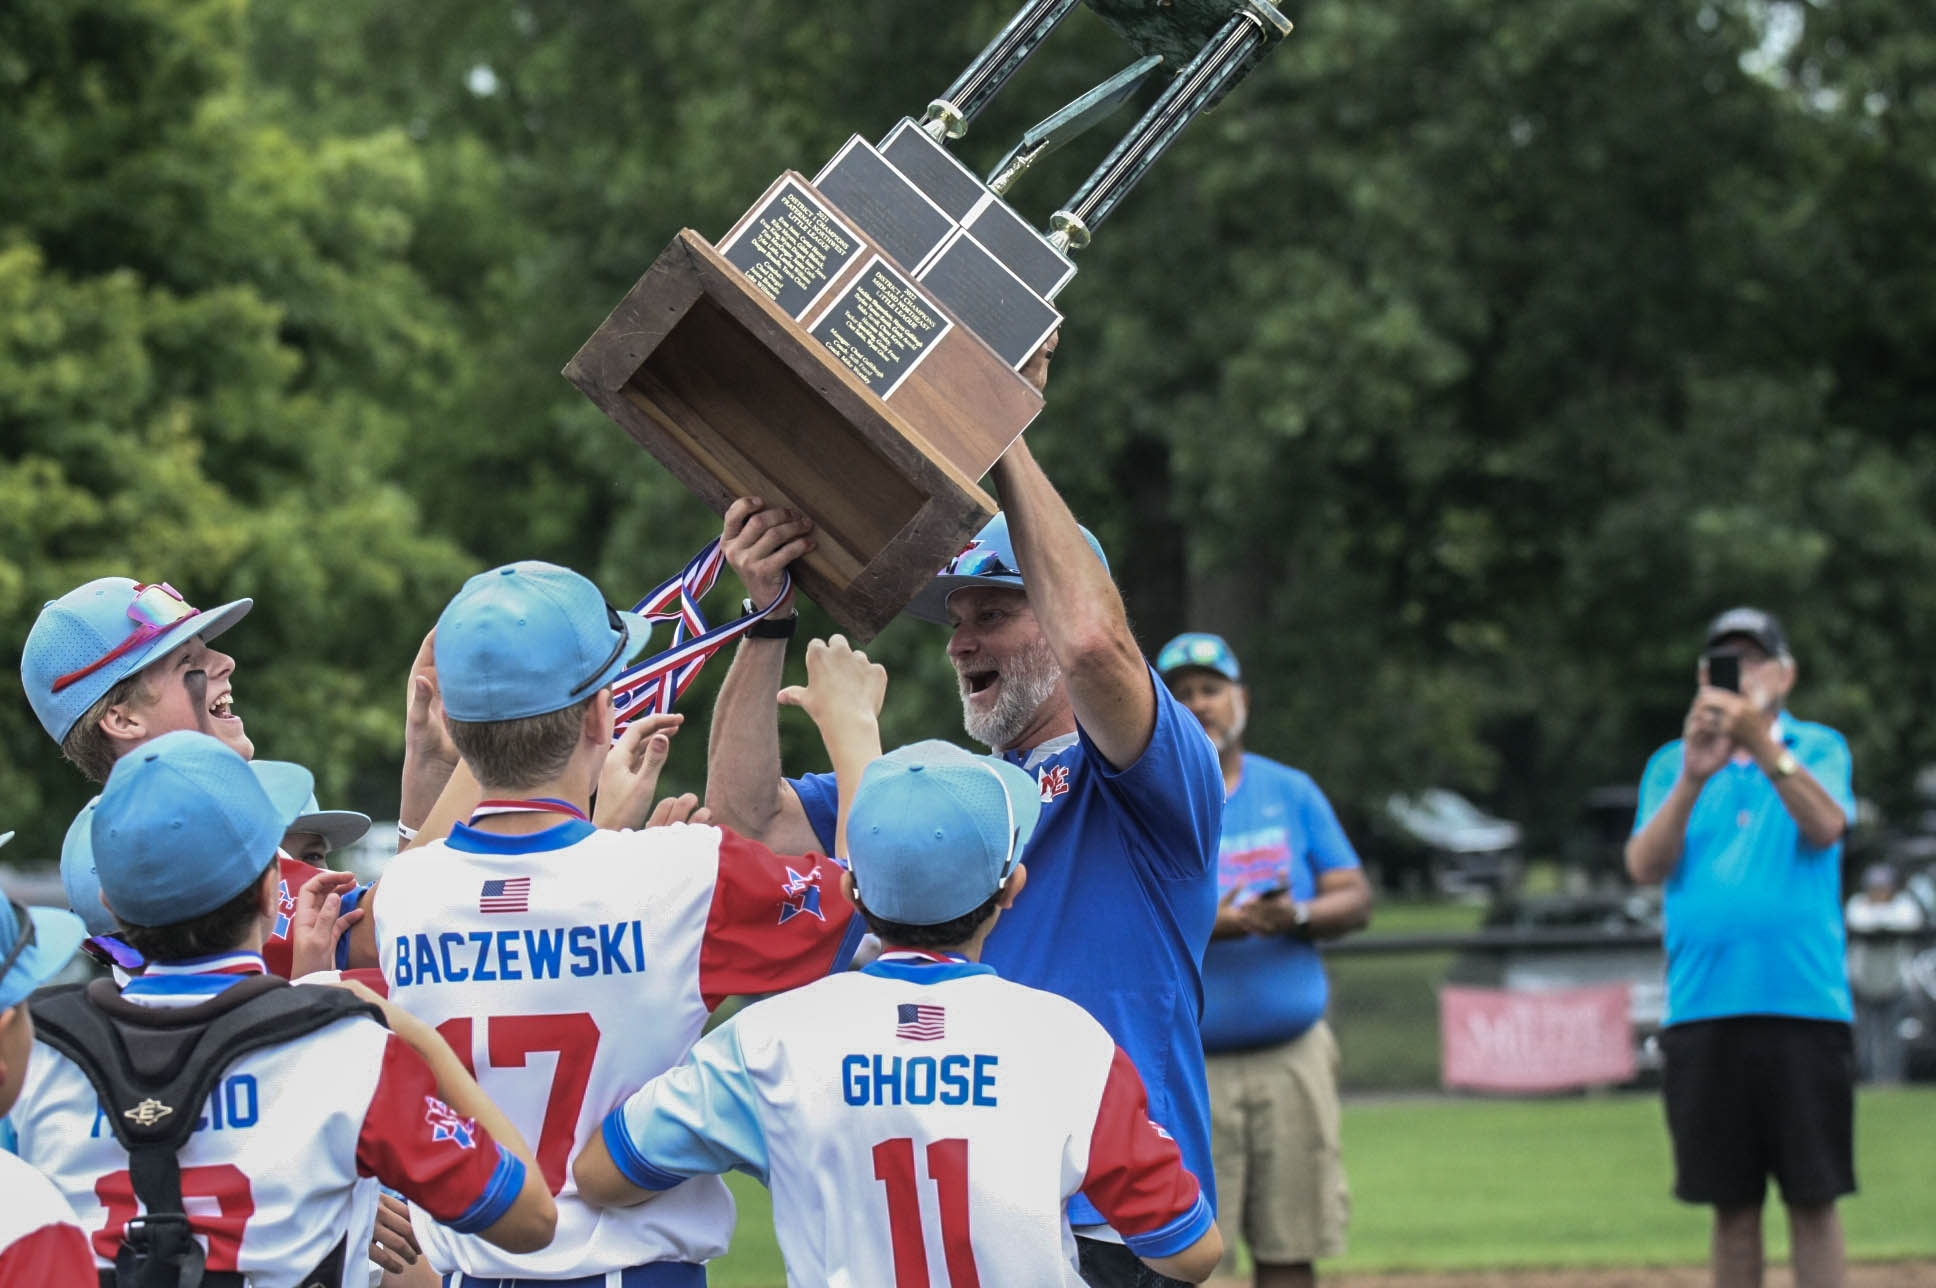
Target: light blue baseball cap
(530, 638)
(55, 936)
(288, 786)
(935, 830)
(88, 623)
(182, 827)
(1199, 649)
(82, 882)
(989, 560)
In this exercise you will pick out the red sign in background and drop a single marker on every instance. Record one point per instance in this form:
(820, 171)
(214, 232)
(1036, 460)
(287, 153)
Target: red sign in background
(1498, 1040)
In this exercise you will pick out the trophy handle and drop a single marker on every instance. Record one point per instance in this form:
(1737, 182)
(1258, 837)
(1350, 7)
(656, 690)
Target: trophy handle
(948, 116)
(1223, 59)
(1064, 124)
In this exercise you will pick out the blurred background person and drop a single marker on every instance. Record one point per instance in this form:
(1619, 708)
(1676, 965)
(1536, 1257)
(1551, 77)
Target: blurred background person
(1286, 878)
(1742, 819)
(1881, 918)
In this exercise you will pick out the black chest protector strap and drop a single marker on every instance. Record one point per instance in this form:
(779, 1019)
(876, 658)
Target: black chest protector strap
(153, 1069)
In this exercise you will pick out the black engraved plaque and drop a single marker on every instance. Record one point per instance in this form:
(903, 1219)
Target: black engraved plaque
(884, 204)
(792, 248)
(989, 299)
(1026, 252)
(934, 170)
(880, 327)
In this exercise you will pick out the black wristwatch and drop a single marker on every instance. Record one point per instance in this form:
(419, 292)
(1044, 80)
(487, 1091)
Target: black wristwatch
(769, 628)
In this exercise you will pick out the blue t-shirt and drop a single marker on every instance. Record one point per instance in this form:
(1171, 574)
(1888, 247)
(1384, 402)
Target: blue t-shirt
(1754, 915)
(1121, 895)
(1278, 831)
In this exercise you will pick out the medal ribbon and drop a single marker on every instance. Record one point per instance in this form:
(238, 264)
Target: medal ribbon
(539, 805)
(652, 686)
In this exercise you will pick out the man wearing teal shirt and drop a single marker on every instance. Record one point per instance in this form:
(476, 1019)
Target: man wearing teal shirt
(1742, 818)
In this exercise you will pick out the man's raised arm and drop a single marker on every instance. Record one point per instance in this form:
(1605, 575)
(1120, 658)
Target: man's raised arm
(744, 787)
(1081, 613)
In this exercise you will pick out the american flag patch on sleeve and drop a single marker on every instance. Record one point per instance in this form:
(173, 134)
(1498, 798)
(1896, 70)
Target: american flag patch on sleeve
(512, 894)
(919, 1023)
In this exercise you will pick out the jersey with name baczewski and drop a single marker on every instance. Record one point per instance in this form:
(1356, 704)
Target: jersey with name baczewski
(919, 1124)
(568, 966)
(279, 1167)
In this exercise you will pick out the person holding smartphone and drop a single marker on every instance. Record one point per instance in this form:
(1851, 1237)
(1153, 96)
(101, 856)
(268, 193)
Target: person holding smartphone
(1287, 877)
(1742, 820)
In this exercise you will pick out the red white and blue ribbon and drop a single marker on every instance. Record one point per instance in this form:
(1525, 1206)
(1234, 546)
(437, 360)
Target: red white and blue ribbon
(652, 686)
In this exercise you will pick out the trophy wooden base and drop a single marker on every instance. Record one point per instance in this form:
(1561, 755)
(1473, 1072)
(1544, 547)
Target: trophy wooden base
(737, 398)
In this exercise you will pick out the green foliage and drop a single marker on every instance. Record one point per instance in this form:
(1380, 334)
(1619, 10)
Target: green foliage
(1457, 366)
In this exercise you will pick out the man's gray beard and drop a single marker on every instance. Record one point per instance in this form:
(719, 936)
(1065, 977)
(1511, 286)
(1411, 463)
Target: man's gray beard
(1028, 679)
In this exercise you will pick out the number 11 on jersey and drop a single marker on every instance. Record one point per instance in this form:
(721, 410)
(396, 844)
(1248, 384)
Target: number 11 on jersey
(948, 1169)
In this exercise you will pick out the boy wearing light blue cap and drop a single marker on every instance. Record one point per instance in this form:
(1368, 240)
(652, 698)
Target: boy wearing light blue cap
(292, 1123)
(41, 1240)
(574, 961)
(923, 1071)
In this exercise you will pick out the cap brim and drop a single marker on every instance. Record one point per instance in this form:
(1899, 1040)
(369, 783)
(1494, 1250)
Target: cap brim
(1024, 799)
(931, 604)
(57, 937)
(207, 624)
(339, 827)
(638, 633)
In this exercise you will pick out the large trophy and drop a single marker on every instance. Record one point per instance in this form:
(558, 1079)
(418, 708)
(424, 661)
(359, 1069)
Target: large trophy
(852, 347)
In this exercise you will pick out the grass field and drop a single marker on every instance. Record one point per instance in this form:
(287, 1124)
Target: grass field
(1448, 1184)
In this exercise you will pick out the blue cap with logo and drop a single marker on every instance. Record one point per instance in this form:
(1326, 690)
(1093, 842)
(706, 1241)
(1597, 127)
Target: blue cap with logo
(71, 658)
(1199, 649)
(527, 639)
(182, 827)
(288, 786)
(935, 830)
(35, 943)
(989, 560)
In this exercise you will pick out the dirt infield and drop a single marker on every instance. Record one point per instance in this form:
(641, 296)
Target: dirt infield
(1871, 1274)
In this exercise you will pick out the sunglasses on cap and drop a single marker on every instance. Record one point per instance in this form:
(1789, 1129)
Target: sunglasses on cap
(617, 623)
(155, 607)
(23, 936)
(980, 561)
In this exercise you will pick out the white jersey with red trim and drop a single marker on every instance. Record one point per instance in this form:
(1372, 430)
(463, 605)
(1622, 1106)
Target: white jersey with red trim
(567, 967)
(41, 1241)
(288, 1150)
(919, 1122)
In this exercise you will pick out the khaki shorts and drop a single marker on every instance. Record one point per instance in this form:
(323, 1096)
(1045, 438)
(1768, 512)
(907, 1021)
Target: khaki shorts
(1274, 1122)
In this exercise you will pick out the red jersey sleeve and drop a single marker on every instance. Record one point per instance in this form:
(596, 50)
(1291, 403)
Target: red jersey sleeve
(55, 1255)
(277, 951)
(1136, 1176)
(420, 1147)
(777, 921)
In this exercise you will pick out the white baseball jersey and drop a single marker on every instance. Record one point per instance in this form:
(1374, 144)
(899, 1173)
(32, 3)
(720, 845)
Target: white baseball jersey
(920, 1122)
(569, 966)
(41, 1241)
(278, 1168)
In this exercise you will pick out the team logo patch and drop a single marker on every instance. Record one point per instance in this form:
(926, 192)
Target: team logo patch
(801, 894)
(148, 1112)
(446, 1125)
(920, 1023)
(1054, 782)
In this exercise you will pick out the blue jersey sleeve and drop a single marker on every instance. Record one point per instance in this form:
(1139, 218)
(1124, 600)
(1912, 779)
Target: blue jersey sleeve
(820, 797)
(1663, 768)
(699, 1118)
(1330, 848)
(1173, 791)
(1826, 756)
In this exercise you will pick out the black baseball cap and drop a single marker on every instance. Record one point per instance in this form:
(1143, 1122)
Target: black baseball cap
(1749, 623)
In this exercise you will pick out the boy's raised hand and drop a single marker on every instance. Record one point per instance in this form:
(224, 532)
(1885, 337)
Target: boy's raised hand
(631, 773)
(841, 685)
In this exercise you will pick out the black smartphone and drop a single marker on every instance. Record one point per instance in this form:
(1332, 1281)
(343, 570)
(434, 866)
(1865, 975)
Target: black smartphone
(1724, 671)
